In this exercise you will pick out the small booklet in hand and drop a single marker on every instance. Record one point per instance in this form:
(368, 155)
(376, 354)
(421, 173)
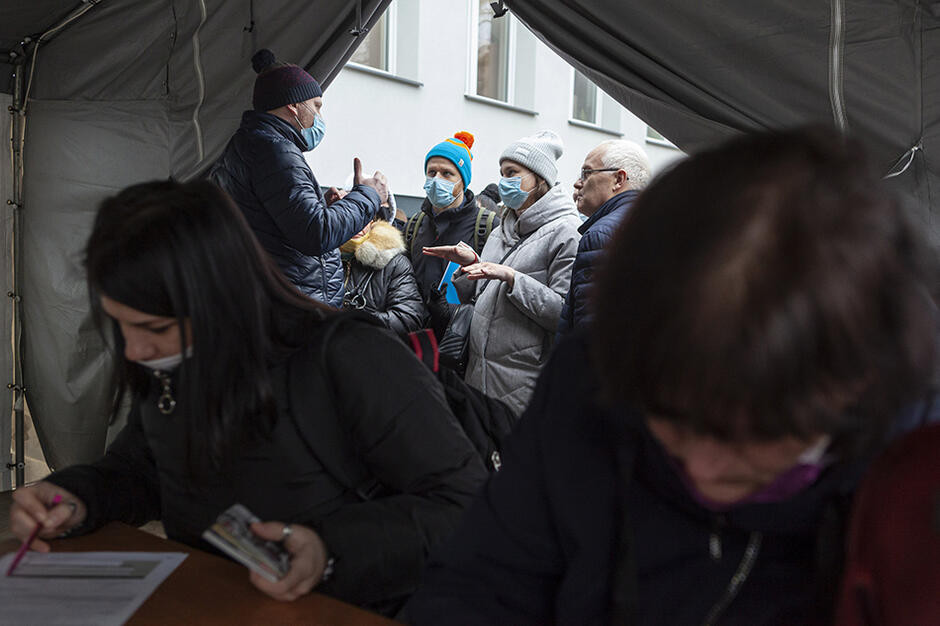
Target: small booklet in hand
(231, 534)
(447, 282)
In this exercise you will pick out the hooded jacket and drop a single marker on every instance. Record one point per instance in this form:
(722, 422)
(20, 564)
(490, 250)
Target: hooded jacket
(513, 329)
(588, 523)
(263, 169)
(379, 279)
(596, 233)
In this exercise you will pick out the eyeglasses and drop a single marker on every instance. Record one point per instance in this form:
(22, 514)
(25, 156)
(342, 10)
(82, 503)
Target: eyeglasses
(586, 171)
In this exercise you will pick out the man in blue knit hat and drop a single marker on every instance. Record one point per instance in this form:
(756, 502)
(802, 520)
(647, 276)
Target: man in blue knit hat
(449, 216)
(264, 170)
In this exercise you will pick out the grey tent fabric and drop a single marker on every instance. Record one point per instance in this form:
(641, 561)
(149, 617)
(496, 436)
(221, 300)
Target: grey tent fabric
(701, 71)
(135, 90)
(132, 90)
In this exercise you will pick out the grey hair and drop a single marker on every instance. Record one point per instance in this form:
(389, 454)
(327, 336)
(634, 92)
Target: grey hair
(627, 156)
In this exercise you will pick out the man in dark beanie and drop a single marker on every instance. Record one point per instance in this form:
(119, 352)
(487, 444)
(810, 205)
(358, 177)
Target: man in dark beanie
(264, 170)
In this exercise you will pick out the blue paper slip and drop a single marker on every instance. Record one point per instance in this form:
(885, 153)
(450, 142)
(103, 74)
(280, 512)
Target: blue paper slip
(447, 281)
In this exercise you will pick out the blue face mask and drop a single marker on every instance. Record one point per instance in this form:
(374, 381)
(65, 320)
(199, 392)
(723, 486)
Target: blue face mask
(314, 135)
(511, 193)
(440, 192)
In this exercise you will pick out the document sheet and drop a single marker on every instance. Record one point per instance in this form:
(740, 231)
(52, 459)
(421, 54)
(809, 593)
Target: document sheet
(100, 588)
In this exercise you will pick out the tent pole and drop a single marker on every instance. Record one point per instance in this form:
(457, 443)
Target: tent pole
(21, 89)
(16, 386)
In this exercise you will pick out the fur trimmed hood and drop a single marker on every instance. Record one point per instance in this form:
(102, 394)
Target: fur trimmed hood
(378, 246)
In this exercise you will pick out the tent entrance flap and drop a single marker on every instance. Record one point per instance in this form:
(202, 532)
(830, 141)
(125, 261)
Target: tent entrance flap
(133, 91)
(698, 74)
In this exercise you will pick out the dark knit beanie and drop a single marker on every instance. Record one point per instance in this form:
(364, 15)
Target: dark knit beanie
(278, 84)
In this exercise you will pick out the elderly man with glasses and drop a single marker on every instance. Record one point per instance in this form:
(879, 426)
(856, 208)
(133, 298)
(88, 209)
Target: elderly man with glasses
(612, 175)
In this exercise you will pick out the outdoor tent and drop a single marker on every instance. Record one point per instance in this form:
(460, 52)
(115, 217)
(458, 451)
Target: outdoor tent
(105, 93)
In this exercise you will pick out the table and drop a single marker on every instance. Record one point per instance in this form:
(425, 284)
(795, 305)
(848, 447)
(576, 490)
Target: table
(207, 589)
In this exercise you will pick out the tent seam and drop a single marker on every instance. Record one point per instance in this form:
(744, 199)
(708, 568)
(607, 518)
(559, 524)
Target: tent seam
(200, 82)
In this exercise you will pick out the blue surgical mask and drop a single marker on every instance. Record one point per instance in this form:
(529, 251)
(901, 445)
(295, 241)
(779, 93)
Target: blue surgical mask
(511, 193)
(440, 192)
(314, 135)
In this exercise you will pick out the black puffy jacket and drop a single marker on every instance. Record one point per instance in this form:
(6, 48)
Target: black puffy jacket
(379, 280)
(264, 170)
(389, 411)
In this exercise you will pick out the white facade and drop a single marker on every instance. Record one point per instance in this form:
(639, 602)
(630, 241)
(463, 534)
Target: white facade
(390, 119)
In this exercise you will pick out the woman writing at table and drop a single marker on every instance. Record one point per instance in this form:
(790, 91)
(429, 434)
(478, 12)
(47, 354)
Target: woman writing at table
(207, 327)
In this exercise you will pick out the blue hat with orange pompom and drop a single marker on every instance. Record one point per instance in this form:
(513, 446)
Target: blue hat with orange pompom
(456, 150)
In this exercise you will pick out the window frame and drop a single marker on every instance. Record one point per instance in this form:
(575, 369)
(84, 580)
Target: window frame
(391, 44)
(656, 141)
(598, 105)
(474, 56)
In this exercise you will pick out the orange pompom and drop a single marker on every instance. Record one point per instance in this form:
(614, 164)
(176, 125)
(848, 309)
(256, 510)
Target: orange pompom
(465, 137)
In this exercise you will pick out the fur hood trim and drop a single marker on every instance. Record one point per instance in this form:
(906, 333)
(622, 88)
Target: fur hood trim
(380, 245)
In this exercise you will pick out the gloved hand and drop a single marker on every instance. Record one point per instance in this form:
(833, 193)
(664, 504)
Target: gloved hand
(440, 310)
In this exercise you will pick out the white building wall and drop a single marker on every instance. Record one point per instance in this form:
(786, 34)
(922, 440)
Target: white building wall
(390, 124)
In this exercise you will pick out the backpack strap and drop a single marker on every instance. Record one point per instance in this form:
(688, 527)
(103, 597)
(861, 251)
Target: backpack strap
(320, 430)
(411, 230)
(424, 343)
(482, 228)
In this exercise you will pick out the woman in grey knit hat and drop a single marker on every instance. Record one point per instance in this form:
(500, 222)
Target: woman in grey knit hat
(520, 279)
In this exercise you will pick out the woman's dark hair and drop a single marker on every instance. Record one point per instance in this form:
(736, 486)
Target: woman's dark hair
(769, 287)
(184, 250)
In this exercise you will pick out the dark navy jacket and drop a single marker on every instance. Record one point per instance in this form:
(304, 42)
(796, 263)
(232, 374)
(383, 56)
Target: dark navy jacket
(264, 170)
(596, 232)
(442, 229)
(545, 541)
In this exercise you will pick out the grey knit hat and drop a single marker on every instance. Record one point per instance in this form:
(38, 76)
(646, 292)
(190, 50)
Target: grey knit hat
(538, 153)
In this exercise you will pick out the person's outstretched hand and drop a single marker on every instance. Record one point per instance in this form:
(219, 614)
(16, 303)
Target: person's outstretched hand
(491, 271)
(33, 505)
(377, 182)
(462, 254)
(307, 560)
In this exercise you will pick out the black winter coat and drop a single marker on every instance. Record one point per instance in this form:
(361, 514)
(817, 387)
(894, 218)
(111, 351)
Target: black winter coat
(380, 281)
(399, 423)
(596, 233)
(264, 170)
(587, 518)
(442, 229)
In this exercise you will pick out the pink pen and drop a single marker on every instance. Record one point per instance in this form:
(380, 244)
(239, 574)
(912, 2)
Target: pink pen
(29, 540)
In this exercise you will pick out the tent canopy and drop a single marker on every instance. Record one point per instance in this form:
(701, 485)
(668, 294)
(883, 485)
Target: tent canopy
(134, 90)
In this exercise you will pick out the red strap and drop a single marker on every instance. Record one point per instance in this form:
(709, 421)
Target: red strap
(437, 353)
(416, 345)
(425, 336)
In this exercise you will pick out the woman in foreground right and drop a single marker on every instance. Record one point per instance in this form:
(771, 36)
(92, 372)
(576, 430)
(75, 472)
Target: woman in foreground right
(766, 314)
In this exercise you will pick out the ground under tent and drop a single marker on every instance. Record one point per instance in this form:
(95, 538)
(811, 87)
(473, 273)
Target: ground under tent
(102, 94)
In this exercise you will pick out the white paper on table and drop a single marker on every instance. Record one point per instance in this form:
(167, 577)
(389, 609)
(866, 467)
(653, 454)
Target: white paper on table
(78, 588)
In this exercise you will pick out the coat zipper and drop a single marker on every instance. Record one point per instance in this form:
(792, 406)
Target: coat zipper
(743, 571)
(714, 539)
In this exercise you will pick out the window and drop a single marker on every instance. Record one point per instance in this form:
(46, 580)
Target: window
(374, 49)
(390, 48)
(585, 101)
(653, 136)
(493, 42)
(592, 107)
(502, 64)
